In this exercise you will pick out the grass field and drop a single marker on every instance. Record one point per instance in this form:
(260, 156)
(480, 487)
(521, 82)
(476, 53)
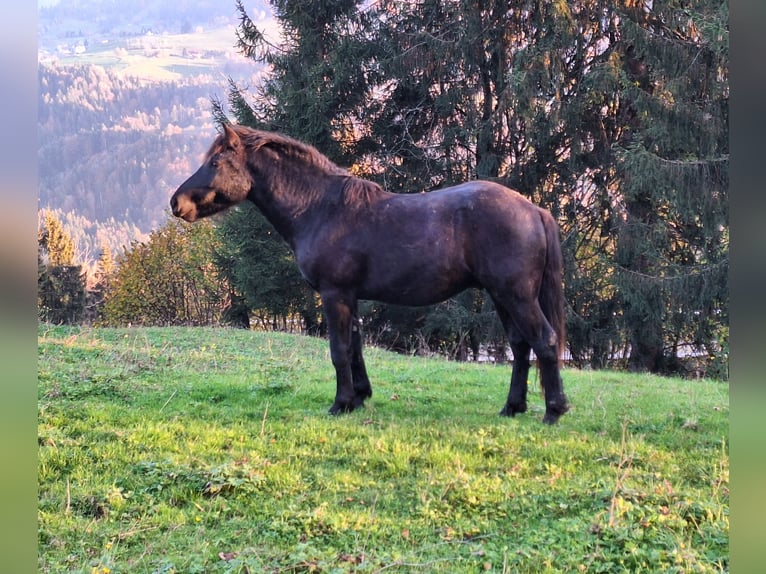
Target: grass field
(210, 450)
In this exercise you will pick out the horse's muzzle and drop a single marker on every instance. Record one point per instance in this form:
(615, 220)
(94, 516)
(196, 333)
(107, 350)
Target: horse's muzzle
(183, 207)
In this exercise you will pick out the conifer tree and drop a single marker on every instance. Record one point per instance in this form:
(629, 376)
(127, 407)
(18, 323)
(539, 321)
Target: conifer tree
(672, 241)
(56, 243)
(254, 259)
(613, 115)
(60, 282)
(318, 81)
(106, 264)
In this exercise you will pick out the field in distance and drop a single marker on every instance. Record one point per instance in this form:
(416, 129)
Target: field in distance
(160, 57)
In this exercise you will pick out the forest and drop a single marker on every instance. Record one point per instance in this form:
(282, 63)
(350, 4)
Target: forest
(612, 115)
(136, 140)
(115, 139)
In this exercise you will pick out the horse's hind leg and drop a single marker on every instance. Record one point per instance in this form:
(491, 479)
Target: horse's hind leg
(530, 324)
(362, 387)
(556, 403)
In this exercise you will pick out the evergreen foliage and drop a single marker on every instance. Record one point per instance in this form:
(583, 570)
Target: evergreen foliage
(255, 259)
(56, 243)
(60, 283)
(613, 115)
(672, 241)
(61, 294)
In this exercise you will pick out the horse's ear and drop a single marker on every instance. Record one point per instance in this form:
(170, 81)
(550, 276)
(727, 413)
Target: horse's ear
(232, 138)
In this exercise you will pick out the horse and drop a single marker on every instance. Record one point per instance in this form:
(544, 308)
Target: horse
(353, 241)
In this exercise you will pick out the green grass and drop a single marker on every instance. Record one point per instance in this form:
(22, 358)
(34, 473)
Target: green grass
(211, 450)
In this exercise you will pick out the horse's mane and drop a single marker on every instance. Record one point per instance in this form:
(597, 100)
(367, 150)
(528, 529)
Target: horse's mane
(288, 147)
(360, 191)
(354, 190)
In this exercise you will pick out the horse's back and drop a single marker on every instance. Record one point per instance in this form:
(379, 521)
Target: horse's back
(418, 249)
(503, 233)
(477, 215)
(494, 211)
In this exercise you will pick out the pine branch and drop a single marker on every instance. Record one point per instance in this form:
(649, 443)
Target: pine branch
(250, 40)
(697, 271)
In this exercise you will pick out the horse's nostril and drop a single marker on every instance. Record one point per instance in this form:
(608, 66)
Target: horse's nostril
(174, 205)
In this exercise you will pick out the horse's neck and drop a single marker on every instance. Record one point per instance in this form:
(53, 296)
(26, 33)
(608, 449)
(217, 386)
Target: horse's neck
(287, 200)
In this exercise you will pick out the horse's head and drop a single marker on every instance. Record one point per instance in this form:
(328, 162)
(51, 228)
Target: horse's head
(223, 180)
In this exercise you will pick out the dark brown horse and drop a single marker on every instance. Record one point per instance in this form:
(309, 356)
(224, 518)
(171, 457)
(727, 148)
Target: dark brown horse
(352, 240)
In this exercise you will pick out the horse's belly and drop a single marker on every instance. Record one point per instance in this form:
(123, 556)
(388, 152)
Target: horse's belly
(420, 287)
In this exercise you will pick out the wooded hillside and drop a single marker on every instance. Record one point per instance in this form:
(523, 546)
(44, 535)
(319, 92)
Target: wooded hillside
(112, 149)
(124, 105)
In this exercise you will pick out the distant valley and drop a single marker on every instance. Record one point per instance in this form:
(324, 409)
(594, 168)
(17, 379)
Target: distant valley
(124, 106)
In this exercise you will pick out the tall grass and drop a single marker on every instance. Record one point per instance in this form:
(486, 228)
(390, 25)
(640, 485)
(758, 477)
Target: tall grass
(210, 450)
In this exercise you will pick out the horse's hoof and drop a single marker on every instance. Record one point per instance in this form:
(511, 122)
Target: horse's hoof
(553, 414)
(513, 410)
(551, 418)
(339, 409)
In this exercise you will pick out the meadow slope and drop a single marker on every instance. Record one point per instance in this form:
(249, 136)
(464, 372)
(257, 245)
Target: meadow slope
(211, 450)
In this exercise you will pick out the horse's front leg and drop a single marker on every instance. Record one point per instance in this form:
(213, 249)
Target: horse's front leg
(339, 312)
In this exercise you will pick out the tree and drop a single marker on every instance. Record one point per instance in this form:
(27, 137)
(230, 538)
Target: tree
(672, 241)
(255, 259)
(55, 242)
(168, 280)
(613, 115)
(105, 270)
(60, 283)
(61, 294)
(318, 81)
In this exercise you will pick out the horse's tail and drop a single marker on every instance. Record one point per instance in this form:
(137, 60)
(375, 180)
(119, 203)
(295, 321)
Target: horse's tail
(551, 296)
